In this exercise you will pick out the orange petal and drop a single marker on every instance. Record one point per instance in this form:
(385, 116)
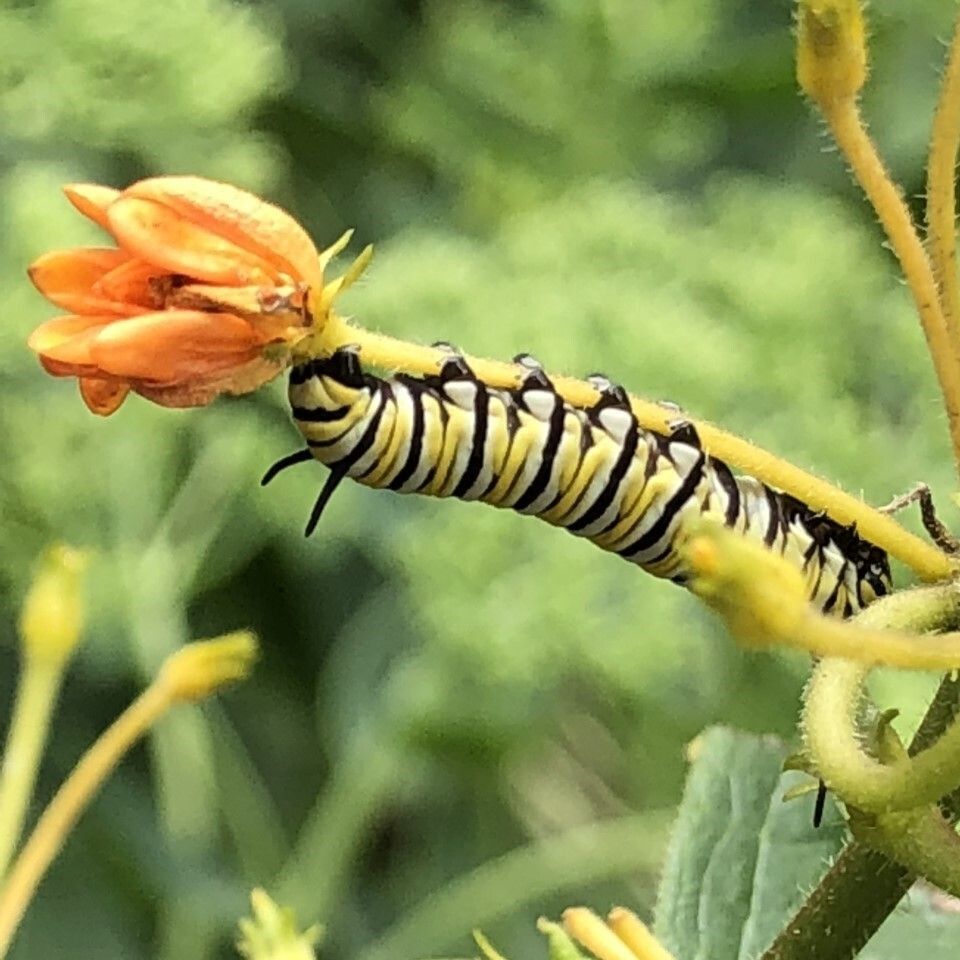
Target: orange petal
(57, 369)
(198, 393)
(174, 345)
(240, 217)
(66, 341)
(92, 200)
(103, 397)
(66, 278)
(159, 235)
(132, 282)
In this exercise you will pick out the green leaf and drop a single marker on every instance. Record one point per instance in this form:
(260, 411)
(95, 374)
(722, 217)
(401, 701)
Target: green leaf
(740, 860)
(927, 927)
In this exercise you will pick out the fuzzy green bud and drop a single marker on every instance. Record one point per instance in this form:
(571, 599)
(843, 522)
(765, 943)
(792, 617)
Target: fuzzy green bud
(271, 933)
(52, 616)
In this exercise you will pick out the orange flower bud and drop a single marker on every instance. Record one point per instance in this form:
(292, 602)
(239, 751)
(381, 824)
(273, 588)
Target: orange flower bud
(204, 277)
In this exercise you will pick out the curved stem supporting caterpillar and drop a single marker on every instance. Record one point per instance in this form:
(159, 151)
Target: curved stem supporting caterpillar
(924, 559)
(835, 744)
(838, 904)
(891, 797)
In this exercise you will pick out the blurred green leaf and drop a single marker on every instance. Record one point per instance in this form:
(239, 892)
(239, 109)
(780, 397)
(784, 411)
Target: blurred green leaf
(740, 858)
(631, 188)
(927, 925)
(521, 877)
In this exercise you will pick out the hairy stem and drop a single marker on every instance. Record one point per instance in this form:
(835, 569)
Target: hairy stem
(194, 672)
(941, 190)
(831, 729)
(923, 558)
(863, 886)
(920, 839)
(846, 125)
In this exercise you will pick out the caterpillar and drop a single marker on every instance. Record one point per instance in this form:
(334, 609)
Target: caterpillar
(592, 470)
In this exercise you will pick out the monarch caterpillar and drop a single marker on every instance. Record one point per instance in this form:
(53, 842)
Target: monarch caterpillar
(592, 470)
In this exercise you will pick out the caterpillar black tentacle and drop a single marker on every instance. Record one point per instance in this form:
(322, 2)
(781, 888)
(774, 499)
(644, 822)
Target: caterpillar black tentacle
(592, 470)
(326, 492)
(301, 456)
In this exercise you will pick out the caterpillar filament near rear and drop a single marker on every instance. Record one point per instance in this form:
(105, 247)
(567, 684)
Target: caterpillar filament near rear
(592, 470)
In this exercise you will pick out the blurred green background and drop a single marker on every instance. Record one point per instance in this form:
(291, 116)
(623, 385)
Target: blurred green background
(461, 717)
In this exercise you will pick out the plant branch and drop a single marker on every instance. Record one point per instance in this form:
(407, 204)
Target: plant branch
(941, 191)
(831, 70)
(920, 839)
(847, 128)
(838, 903)
(36, 697)
(69, 802)
(192, 673)
(923, 558)
(830, 719)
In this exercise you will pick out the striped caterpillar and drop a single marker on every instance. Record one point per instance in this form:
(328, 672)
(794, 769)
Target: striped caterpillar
(592, 470)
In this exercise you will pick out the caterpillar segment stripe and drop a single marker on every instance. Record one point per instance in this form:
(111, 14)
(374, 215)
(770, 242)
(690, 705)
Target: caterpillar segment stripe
(592, 470)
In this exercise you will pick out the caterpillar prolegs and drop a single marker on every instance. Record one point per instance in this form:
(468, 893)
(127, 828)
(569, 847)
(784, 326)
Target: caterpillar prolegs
(592, 470)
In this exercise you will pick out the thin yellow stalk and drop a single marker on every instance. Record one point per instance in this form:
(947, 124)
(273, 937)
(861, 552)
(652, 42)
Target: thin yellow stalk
(941, 190)
(636, 935)
(881, 648)
(33, 707)
(192, 673)
(923, 558)
(69, 803)
(847, 128)
(588, 929)
(51, 623)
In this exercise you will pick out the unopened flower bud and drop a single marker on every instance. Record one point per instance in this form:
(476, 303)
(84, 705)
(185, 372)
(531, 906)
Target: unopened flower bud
(52, 616)
(831, 49)
(271, 933)
(760, 595)
(199, 669)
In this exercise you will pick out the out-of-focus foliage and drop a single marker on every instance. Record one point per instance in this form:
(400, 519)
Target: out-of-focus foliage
(729, 881)
(631, 188)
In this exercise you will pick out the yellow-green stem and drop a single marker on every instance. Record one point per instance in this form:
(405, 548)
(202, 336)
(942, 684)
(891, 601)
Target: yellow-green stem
(923, 558)
(69, 803)
(920, 840)
(36, 697)
(823, 637)
(843, 116)
(830, 723)
(941, 190)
